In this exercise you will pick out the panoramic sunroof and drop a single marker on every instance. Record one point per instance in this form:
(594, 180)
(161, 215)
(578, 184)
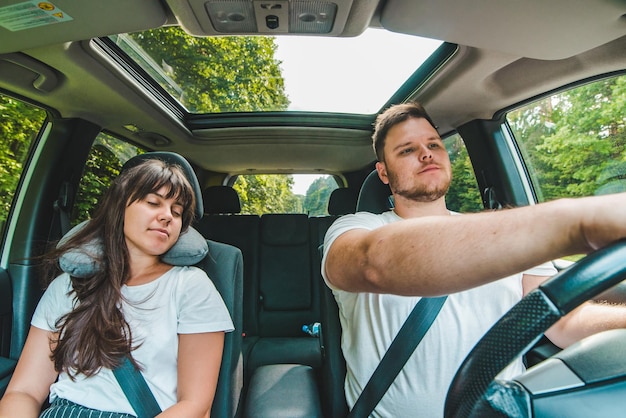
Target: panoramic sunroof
(260, 73)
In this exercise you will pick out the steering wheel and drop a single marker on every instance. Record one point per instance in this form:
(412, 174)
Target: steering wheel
(474, 391)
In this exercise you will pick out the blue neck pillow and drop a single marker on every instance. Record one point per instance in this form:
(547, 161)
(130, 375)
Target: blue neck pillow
(83, 261)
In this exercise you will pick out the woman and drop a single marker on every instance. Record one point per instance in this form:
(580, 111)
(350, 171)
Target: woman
(169, 320)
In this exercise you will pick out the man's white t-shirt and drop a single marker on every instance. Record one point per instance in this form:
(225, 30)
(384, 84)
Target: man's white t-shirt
(371, 321)
(182, 301)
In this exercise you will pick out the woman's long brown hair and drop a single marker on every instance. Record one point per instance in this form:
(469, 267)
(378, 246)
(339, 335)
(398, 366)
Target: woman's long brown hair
(95, 333)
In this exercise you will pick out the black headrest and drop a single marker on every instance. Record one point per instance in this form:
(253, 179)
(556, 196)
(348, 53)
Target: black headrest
(342, 201)
(221, 199)
(172, 158)
(375, 196)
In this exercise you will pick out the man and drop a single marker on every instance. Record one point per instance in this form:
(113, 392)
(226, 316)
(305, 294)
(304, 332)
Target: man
(380, 265)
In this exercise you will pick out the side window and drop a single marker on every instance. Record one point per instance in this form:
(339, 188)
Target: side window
(285, 193)
(463, 195)
(106, 158)
(574, 142)
(19, 125)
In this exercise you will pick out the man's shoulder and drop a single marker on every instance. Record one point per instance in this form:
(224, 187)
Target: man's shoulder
(365, 220)
(359, 220)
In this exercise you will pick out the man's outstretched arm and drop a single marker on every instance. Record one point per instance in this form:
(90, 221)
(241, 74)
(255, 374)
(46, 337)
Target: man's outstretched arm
(437, 255)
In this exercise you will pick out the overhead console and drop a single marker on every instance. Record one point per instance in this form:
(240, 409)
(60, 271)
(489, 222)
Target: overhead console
(273, 17)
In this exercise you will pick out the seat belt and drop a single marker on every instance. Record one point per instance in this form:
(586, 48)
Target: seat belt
(61, 208)
(136, 390)
(398, 353)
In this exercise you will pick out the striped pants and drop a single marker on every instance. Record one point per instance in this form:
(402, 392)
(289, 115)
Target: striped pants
(62, 408)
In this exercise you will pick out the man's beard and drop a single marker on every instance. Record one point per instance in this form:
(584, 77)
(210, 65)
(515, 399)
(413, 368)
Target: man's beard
(419, 193)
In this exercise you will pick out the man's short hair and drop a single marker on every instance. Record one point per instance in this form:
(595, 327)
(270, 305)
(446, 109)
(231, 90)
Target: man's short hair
(391, 117)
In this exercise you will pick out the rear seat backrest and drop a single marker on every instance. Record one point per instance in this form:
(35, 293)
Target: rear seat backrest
(342, 201)
(283, 288)
(220, 199)
(223, 223)
(288, 295)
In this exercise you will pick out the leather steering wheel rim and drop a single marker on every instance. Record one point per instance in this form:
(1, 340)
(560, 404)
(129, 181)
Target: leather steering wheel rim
(526, 322)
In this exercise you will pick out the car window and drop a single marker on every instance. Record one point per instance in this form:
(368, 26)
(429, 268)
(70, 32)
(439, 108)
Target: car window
(106, 158)
(19, 125)
(574, 142)
(463, 195)
(284, 193)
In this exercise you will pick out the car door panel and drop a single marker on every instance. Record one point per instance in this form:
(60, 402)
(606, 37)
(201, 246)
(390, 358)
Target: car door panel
(6, 364)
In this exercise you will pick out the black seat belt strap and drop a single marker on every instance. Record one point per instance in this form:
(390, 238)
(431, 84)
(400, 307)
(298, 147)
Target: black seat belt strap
(136, 390)
(398, 353)
(61, 206)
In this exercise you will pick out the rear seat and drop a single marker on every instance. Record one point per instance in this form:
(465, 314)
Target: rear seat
(223, 222)
(288, 295)
(280, 296)
(283, 288)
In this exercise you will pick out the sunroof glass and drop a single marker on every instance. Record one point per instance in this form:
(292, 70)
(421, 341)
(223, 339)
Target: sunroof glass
(256, 73)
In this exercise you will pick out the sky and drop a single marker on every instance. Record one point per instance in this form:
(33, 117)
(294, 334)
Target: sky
(301, 182)
(356, 74)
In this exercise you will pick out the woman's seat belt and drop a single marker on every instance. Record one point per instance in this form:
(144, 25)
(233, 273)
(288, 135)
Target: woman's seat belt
(136, 390)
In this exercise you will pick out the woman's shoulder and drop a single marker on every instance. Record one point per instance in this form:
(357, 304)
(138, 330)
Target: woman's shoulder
(188, 271)
(56, 301)
(189, 276)
(192, 284)
(62, 284)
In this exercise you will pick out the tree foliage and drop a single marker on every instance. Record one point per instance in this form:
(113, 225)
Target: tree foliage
(19, 125)
(575, 142)
(463, 195)
(318, 194)
(263, 193)
(104, 164)
(218, 74)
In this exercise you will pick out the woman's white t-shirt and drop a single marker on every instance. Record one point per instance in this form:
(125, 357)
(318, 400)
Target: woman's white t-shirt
(182, 301)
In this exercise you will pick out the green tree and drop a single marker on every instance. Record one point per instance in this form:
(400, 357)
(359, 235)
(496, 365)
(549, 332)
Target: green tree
(575, 142)
(104, 163)
(318, 194)
(531, 125)
(218, 74)
(19, 125)
(264, 193)
(463, 195)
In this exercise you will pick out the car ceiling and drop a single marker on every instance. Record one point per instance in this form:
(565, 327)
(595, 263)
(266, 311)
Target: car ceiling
(508, 52)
